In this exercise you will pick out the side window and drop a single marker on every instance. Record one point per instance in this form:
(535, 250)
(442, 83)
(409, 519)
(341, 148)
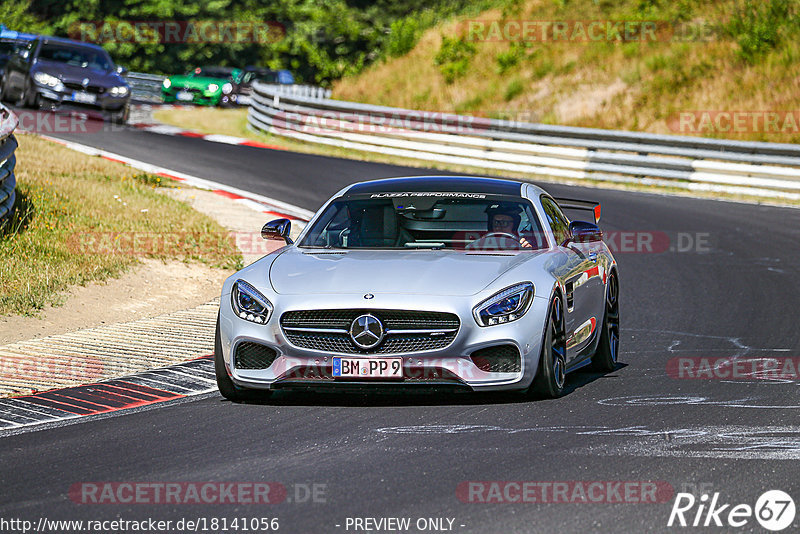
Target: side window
(556, 219)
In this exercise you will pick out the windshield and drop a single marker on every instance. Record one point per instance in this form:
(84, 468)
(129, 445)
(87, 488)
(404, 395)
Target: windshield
(213, 72)
(488, 223)
(6, 47)
(74, 55)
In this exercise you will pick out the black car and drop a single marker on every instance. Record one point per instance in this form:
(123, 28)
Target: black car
(10, 42)
(54, 73)
(244, 91)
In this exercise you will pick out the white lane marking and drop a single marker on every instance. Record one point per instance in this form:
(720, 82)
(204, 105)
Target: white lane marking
(736, 441)
(227, 139)
(662, 400)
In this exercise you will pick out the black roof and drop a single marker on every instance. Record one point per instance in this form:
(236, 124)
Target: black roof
(464, 184)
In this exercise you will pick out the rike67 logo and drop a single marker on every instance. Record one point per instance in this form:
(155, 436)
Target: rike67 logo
(774, 510)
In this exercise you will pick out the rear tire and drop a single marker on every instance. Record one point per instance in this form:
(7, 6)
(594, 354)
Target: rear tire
(551, 375)
(605, 357)
(226, 387)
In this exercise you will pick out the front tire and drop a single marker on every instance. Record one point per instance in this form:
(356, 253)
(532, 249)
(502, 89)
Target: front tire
(551, 375)
(226, 387)
(605, 357)
(121, 116)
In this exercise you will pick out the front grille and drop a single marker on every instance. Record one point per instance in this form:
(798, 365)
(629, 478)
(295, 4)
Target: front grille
(253, 356)
(89, 89)
(498, 359)
(406, 330)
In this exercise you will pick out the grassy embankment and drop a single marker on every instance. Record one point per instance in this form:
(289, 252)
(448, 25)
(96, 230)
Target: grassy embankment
(74, 223)
(730, 56)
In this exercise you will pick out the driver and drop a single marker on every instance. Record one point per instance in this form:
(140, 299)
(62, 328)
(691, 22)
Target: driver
(506, 220)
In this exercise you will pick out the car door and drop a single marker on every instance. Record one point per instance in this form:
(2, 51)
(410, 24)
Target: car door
(580, 279)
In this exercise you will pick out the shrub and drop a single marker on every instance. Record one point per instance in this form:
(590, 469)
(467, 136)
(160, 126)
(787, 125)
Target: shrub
(403, 35)
(757, 26)
(453, 57)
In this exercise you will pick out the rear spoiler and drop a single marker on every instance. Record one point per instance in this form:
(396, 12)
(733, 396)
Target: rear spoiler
(573, 204)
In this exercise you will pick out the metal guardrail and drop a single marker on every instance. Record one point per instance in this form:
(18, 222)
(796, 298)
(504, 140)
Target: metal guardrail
(8, 144)
(752, 168)
(301, 91)
(145, 87)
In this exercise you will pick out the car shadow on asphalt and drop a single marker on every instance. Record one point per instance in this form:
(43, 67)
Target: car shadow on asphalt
(398, 397)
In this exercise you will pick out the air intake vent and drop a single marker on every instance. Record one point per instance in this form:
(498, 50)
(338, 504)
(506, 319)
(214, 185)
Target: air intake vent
(253, 356)
(498, 359)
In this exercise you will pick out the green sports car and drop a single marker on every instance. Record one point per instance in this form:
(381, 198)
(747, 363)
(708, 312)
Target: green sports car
(206, 86)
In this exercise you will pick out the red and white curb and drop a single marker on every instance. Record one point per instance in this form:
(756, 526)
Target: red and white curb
(142, 119)
(260, 203)
(166, 129)
(56, 406)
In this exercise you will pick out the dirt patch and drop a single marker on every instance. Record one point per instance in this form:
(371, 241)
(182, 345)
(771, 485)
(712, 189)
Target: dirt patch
(150, 289)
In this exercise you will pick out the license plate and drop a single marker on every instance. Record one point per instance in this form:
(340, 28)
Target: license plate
(367, 367)
(84, 97)
(184, 96)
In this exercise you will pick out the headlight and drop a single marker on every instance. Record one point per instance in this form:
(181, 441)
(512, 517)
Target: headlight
(46, 79)
(119, 91)
(227, 88)
(167, 83)
(505, 306)
(249, 304)
(212, 88)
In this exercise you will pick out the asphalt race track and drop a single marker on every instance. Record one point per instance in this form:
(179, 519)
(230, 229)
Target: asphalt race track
(728, 288)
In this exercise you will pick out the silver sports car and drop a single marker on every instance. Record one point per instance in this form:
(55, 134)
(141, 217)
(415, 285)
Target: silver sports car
(424, 282)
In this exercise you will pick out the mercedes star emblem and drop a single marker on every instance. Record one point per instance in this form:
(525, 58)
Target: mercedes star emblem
(85, 82)
(366, 331)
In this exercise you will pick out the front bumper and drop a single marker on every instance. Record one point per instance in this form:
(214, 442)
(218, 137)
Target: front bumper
(199, 97)
(65, 99)
(450, 367)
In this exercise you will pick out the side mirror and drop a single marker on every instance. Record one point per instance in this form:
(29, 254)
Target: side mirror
(584, 232)
(278, 229)
(122, 71)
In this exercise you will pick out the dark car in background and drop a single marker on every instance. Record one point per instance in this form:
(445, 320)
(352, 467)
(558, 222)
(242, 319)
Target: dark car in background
(263, 75)
(10, 42)
(55, 73)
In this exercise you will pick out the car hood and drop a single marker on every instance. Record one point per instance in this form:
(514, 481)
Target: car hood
(196, 82)
(73, 74)
(389, 271)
